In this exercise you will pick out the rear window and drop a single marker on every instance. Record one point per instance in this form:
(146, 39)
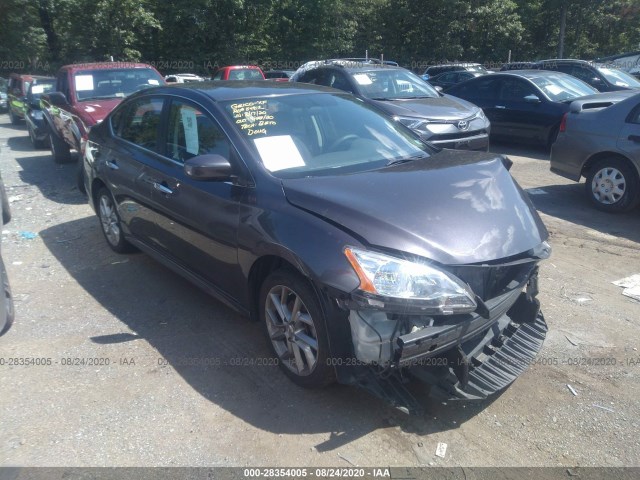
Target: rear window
(245, 74)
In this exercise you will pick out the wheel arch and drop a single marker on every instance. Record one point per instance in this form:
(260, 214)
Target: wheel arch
(595, 158)
(260, 270)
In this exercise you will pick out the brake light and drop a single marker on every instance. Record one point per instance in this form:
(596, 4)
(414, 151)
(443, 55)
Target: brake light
(563, 123)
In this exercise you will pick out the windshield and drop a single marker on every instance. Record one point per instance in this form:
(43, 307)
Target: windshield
(619, 78)
(476, 68)
(392, 84)
(117, 83)
(39, 87)
(561, 87)
(321, 134)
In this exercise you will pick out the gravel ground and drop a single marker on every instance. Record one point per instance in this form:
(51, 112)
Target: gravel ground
(77, 299)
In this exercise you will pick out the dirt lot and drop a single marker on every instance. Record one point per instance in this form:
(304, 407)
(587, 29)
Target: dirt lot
(76, 299)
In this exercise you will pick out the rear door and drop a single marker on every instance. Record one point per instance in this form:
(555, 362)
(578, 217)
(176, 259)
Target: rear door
(126, 160)
(521, 116)
(629, 140)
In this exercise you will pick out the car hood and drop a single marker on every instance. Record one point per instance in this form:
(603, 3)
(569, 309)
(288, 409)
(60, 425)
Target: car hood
(438, 108)
(454, 207)
(94, 111)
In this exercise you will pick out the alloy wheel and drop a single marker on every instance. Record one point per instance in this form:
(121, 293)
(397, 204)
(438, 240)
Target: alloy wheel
(109, 220)
(291, 330)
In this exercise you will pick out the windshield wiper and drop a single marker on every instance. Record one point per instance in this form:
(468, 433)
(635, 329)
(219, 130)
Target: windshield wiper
(98, 97)
(410, 158)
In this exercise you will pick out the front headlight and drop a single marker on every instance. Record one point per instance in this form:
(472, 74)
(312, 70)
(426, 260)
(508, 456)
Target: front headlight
(418, 124)
(480, 114)
(437, 292)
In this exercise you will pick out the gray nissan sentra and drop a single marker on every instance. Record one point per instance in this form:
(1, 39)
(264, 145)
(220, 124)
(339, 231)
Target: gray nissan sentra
(370, 257)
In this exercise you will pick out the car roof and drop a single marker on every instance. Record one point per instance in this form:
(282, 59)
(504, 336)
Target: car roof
(27, 76)
(104, 66)
(220, 91)
(358, 67)
(529, 74)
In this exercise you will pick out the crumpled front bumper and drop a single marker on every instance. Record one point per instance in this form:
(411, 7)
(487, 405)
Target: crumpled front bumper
(467, 359)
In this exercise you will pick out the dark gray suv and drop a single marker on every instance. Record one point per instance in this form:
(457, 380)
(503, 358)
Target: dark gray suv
(443, 120)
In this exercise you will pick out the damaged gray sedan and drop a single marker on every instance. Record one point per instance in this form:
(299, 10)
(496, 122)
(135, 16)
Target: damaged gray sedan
(370, 257)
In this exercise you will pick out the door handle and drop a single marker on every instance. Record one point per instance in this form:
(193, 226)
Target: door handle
(501, 107)
(112, 165)
(162, 188)
(634, 138)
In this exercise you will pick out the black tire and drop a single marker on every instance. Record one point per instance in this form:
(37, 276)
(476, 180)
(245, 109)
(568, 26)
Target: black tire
(613, 186)
(37, 144)
(553, 136)
(6, 208)
(110, 222)
(59, 149)
(80, 176)
(10, 313)
(309, 324)
(12, 116)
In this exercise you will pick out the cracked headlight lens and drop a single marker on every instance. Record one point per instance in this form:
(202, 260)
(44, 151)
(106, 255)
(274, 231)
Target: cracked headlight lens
(387, 276)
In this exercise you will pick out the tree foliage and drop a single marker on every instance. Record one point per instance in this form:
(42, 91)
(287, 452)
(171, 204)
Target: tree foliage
(197, 35)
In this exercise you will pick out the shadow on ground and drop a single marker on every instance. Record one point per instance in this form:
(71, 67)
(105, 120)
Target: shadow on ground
(56, 182)
(569, 202)
(520, 150)
(181, 322)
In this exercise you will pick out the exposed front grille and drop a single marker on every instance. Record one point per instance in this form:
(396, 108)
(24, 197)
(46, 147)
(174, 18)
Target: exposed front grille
(490, 281)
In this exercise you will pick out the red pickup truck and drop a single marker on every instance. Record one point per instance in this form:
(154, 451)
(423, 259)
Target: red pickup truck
(84, 95)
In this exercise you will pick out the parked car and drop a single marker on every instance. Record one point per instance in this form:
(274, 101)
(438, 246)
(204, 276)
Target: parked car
(279, 75)
(36, 124)
(7, 311)
(439, 68)
(84, 95)
(239, 72)
(443, 120)
(629, 62)
(17, 93)
(599, 139)
(602, 77)
(4, 103)
(524, 105)
(448, 79)
(183, 78)
(370, 257)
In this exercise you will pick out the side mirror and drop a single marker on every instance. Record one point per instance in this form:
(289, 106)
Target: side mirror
(532, 99)
(208, 167)
(58, 99)
(438, 88)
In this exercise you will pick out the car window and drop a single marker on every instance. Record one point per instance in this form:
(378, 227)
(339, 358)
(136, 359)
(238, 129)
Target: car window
(141, 122)
(192, 132)
(585, 74)
(388, 84)
(315, 77)
(514, 90)
(321, 134)
(339, 80)
(117, 83)
(619, 77)
(561, 88)
(218, 75)
(485, 89)
(245, 74)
